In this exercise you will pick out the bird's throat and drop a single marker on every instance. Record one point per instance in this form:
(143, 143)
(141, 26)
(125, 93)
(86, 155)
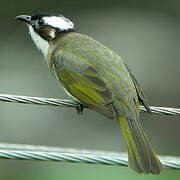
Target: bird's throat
(41, 43)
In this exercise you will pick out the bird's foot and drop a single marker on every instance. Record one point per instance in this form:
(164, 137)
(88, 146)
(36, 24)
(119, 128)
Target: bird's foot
(80, 108)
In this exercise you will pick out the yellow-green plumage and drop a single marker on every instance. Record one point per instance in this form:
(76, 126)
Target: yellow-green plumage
(99, 79)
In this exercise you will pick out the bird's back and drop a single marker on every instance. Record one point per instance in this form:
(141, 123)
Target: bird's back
(75, 52)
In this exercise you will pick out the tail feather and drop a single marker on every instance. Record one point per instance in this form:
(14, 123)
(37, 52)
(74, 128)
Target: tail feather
(141, 155)
(156, 166)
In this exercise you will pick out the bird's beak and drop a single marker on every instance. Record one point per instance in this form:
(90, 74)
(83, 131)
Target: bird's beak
(24, 18)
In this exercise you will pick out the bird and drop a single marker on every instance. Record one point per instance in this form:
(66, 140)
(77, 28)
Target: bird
(98, 78)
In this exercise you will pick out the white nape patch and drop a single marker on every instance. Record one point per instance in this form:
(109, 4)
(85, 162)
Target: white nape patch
(52, 33)
(41, 44)
(59, 22)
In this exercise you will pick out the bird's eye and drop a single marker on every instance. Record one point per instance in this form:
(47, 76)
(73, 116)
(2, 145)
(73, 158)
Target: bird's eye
(40, 21)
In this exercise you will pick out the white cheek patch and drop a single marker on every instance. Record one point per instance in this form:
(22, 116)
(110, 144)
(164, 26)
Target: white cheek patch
(59, 22)
(41, 44)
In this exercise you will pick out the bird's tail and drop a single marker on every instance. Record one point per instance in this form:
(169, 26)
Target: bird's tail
(141, 155)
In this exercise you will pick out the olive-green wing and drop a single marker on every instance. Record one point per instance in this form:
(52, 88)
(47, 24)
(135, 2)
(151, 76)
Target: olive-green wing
(141, 97)
(82, 81)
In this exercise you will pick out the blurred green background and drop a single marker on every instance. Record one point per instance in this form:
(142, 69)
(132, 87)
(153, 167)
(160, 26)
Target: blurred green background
(145, 33)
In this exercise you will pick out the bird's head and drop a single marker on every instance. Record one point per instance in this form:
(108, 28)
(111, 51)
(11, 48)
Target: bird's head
(46, 27)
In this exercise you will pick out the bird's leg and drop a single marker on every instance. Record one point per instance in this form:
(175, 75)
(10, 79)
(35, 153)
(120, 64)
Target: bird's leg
(79, 108)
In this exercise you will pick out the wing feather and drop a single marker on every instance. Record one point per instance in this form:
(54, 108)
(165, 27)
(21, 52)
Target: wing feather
(85, 84)
(141, 97)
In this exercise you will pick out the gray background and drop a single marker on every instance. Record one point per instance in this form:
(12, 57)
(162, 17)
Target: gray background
(145, 33)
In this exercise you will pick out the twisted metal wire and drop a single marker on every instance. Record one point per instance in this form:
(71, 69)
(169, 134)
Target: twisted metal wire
(75, 104)
(44, 153)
